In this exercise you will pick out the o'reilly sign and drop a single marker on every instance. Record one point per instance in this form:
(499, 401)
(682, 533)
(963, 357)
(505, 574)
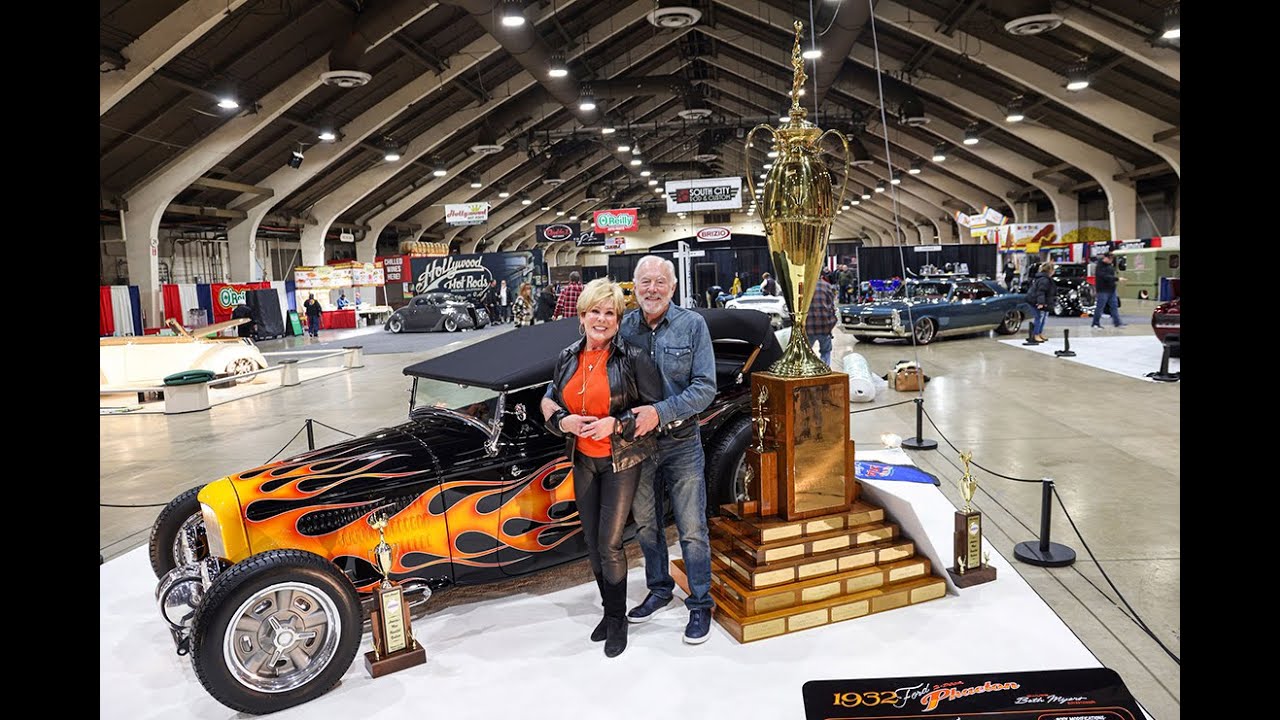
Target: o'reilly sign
(624, 220)
(704, 194)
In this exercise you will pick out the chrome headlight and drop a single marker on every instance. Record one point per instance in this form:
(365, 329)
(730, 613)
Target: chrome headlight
(213, 532)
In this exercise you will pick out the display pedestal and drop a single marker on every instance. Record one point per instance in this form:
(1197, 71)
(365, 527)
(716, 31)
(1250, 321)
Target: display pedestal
(823, 556)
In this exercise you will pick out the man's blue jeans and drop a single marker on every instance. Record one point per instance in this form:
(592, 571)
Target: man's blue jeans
(824, 347)
(1037, 327)
(676, 473)
(1108, 304)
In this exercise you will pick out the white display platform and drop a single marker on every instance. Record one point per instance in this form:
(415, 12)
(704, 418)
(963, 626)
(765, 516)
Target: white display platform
(119, 403)
(1130, 355)
(528, 656)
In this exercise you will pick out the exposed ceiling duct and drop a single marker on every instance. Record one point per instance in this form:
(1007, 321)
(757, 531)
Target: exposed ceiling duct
(346, 57)
(850, 19)
(641, 86)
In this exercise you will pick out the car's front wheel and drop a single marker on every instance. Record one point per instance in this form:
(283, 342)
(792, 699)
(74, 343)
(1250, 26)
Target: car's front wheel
(1012, 321)
(727, 465)
(450, 324)
(242, 366)
(924, 331)
(178, 535)
(274, 631)
(395, 324)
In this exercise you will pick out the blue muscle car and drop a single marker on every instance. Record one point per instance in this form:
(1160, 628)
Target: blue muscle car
(932, 308)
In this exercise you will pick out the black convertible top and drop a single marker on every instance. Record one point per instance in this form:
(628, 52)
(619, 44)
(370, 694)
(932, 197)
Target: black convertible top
(527, 356)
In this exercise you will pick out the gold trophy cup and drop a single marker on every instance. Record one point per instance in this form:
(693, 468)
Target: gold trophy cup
(797, 209)
(394, 647)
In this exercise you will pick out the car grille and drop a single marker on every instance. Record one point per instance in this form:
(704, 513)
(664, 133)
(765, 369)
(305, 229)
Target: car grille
(852, 319)
(877, 321)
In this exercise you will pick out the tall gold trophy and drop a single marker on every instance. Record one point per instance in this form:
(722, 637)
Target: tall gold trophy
(797, 211)
(801, 550)
(394, 647)
(971, 566)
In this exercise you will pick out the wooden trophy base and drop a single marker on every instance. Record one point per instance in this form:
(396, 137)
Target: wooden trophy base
(771, 576)
(977, 576)
(394, 662)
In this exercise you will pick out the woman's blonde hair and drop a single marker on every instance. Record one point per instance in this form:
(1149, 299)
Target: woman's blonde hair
(526, 291)
(598, 290)
(1046, 268)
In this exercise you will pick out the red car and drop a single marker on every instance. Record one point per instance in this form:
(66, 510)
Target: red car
(1166, 321)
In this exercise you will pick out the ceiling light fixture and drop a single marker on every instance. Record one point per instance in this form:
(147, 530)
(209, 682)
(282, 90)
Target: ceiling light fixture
(1078, 77)
(623, 146)
(636, 161)
(865, 195)
(784, 118)
(503, 192)
(915, 167)
(1172, 24)
(608, 130)
(586, 99)
(440, 170)
(546, 208)
(228, 103)
(896, 179)
(558, 67)
(880, 186)
(1014, 112)
(653, 181)
(524, 199)
(658, 190)
(811, 54)
(559, 213)
(971, 134)
(328, 135)
(646, 173)
(773, 153)
(855, 202)
(939, 152)
(475, 182)
(512, 13)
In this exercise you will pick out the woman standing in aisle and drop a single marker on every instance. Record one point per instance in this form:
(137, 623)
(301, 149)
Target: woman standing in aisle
(522, 308)
(1041, 298)
(597, 382)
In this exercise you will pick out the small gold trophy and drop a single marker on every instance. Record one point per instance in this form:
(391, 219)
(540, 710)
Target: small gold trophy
(971, 563)
(761, 419)
(394, 647)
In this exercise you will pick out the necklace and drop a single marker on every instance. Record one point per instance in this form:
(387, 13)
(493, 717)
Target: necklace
(590, 367)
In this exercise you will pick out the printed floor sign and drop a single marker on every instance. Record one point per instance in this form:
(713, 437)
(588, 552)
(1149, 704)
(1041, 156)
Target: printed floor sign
(1084, 694)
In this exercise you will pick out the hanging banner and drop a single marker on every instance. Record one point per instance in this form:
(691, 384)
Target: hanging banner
(992, 217)
(467, 213)
(704, 194)
(556, 232)
(625, 220)
(617, 242)
(715, 233)
(395, 268)
(590, 239)
(469, 275)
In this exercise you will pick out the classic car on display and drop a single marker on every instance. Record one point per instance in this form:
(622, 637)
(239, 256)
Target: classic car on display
(932, 308)
(265, 574)
(1166, 323)
(775, 306)
(436, 310)
(1075, 294)
(148, 359)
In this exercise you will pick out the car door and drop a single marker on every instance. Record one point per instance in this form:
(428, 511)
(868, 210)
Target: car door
(418, 315)
(988, 310)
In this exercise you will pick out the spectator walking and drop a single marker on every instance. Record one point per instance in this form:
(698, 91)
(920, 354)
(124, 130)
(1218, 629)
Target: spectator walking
(1108, 298)
(545, 305)
(822, 319)
(490, 302)
(522, 308)
(311, 308)
(1041, 298)
(504, 302)
(567, 303)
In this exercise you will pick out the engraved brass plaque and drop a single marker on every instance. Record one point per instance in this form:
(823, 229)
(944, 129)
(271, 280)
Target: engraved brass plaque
(831, 544)
(819, 568)
(775, 602)
(903, 573)
(807, 620)
(864, 582)
(851, 610)
(931, 592)
(769, 628)
(820, 592)
(820, 444)
(859, 560)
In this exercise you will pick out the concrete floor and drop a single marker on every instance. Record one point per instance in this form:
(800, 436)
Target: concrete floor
(1111, 443)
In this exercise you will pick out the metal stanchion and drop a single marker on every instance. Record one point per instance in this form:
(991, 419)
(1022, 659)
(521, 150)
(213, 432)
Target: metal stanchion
(311, 437)
(919, 442)
(1043, 552)
(1163, 375)
(1066, 350)
(1031, 334)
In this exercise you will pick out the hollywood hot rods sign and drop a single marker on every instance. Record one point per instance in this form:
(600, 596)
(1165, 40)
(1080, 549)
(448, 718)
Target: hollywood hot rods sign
(469, 275)
(626, 220)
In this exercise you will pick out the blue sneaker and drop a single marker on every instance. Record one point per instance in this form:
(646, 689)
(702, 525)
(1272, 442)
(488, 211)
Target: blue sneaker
(699, 627)
(651, 606)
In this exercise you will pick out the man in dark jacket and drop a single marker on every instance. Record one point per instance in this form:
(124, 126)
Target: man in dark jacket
(1010, 272)
(243, 311)
(1108, 300)
(768, 286)
(822, 319)
(546, 304)
(1041, 298)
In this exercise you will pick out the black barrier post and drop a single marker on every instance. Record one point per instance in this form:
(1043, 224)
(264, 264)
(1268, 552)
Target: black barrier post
(1066, 350)
(1043, 552)
(311, 438)
(1031, 335)
(1164, 375)
(919, 442)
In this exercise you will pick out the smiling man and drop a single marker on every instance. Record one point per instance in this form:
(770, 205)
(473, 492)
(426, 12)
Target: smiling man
(680, 344)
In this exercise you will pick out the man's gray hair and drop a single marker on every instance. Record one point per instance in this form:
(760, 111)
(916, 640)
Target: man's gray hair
(650, 260)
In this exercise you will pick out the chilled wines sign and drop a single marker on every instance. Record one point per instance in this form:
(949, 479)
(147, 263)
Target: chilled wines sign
(607, 221)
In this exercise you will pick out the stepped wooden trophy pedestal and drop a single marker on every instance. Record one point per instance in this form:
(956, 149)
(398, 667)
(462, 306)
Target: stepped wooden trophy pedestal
(802, 550)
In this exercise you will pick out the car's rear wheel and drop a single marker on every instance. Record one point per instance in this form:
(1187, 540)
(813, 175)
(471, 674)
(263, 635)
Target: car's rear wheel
(242, 366)
(395, 324)
(450, 324)
(924, 331)
(276, 630)
(178, 534)
(1012, 321)
(727, 465)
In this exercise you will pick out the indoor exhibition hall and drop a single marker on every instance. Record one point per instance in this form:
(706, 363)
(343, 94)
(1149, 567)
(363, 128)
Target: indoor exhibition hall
(662, 358)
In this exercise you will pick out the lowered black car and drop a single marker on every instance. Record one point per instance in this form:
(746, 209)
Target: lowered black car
(434, 311)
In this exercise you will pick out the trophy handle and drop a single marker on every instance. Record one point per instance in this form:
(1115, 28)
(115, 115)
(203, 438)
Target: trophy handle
(746, 156)
(848, 166)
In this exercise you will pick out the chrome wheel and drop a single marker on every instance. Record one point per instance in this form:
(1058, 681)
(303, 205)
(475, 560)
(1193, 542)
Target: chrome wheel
(740, 472)
(1012, 322)
(395, 324)
(450, 325)
(282, 637)
(191, 543)
(924, 331)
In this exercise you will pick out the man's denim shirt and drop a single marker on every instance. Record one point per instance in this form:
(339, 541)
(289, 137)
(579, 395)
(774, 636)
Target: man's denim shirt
(681, 348)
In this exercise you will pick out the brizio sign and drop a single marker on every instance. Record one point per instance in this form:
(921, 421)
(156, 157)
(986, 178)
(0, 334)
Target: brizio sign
(465, 277)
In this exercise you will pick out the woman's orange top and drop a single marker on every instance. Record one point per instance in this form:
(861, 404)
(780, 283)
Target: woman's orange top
(587, 393)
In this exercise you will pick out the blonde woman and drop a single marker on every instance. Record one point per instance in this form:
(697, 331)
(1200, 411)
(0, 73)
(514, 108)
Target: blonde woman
(522, 308)
(1041, 298)
(597, 382)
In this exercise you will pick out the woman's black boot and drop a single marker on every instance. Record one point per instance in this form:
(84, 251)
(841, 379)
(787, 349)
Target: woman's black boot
(616, 641)
(615, 619)
(599, 634)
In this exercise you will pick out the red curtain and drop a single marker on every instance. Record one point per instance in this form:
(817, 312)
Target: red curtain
(172, 302)
(106, 318)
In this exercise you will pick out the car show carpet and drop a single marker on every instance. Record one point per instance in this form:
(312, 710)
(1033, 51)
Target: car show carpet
(525, 653)
(1129, 355)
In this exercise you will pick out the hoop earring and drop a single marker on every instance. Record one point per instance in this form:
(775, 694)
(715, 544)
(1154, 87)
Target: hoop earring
(582, 330)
